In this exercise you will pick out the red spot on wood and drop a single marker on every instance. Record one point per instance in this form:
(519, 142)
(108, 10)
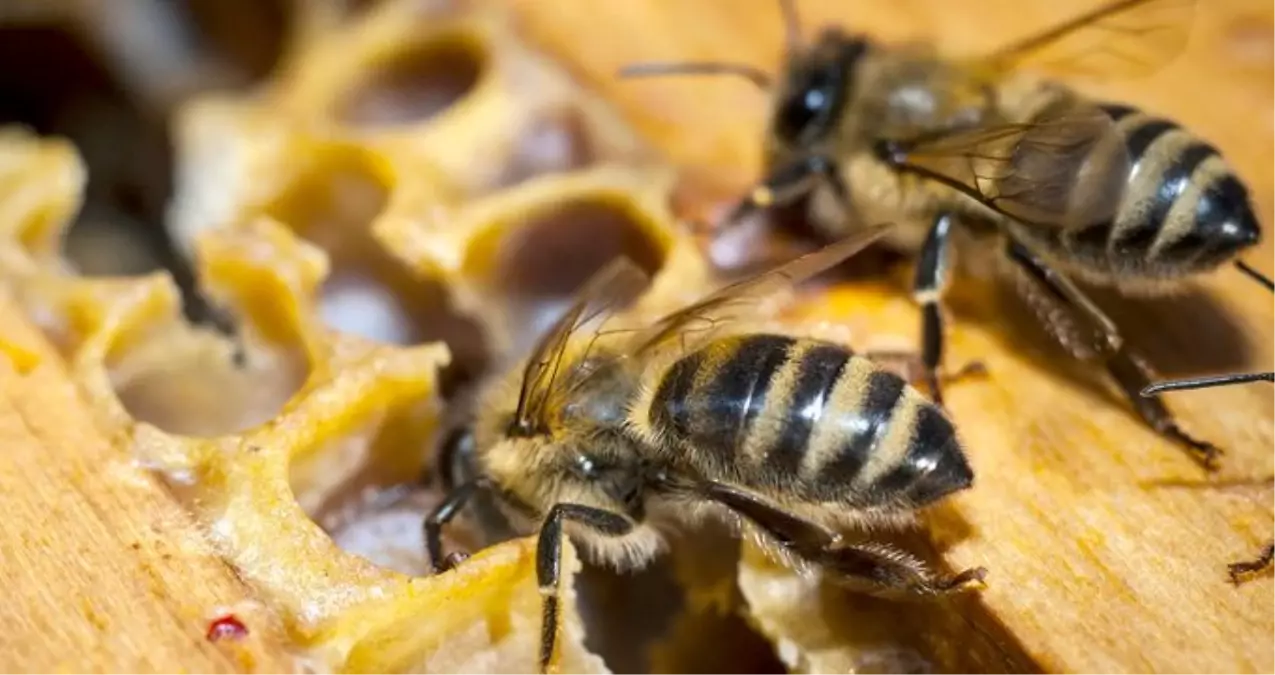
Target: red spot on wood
(227, 627)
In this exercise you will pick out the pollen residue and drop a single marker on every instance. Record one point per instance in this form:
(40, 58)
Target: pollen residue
(23, 358)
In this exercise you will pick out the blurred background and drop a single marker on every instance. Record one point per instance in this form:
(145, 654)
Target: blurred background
(108, 80)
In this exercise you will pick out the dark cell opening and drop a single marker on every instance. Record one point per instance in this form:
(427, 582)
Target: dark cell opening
(56, 86)
(58, 83)
(250, 35)
(369, 292)
(414, 85)
(560, 248)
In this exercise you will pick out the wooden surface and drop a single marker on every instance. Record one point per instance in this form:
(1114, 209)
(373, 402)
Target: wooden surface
(1106, 546)
(102, 571)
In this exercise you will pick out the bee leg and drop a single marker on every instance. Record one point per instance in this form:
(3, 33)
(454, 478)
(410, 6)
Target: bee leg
(443, 514)
(196, 304)
(200, 310)
(1240, 570)
(1133, 374)
(549, 562)
(1130, 371)
(457, 447)
(927, 289)
(790, 181)
(872, 568)
(888, 572)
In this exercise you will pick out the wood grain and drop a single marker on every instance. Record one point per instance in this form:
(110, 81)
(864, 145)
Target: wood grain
(102, 570)
(1107, 547)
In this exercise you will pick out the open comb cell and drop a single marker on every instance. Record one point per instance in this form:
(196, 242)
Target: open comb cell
(357, 407)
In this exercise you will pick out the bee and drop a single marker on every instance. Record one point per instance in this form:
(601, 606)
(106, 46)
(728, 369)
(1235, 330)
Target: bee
(989, 167)
(1242, 569)
(615, 436)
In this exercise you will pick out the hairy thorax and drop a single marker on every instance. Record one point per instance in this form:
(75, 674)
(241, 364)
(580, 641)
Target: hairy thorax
(903, 95)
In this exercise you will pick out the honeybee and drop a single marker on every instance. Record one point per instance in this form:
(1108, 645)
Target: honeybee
(974, 157)
(1263, 560)
(615, 436)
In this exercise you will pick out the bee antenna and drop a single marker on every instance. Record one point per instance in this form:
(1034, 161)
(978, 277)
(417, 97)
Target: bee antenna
(753, 74)
(1206, 382)
(1255, 275)
(792, 23)
(1210, 381)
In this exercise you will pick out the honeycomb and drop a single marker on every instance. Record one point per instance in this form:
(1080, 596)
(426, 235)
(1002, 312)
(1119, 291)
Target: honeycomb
(394, 214)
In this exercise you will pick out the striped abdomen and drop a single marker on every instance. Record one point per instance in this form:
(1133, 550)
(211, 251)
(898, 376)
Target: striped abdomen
(808, 418)
(1182, 209)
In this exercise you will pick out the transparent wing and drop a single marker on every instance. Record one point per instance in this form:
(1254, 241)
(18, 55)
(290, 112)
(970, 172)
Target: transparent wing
(1120, 39)
(701, 319)
(1066, 168)
(613, 286)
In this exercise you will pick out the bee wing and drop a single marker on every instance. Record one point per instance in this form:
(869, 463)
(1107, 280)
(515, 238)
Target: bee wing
(611, 287)
(1066, 168)
(1121, 38)
(726, 304)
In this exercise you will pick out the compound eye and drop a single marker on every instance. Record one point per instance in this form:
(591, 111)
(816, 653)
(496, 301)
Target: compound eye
(586, 466)
(808, 108)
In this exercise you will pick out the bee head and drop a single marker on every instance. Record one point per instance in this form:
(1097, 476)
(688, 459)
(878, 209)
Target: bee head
(818, 83)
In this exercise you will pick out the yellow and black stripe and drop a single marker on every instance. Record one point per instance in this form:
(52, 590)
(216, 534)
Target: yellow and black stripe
(1182, 208)
(809, 419)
